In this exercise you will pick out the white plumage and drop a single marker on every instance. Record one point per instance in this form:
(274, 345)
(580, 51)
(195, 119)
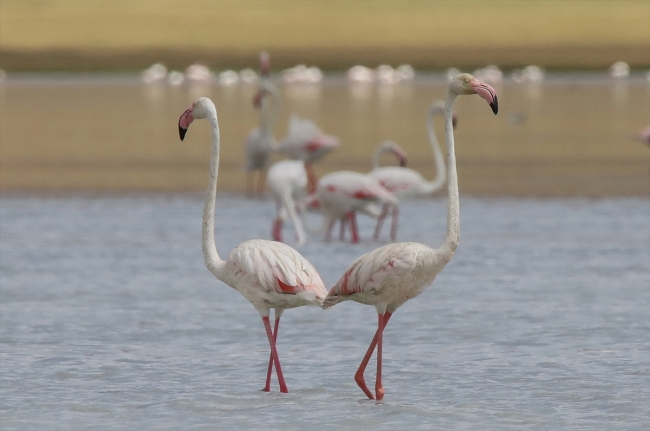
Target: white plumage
(393, 274)
(268, 274)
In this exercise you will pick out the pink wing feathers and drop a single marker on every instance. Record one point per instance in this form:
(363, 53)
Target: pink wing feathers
(278, 267)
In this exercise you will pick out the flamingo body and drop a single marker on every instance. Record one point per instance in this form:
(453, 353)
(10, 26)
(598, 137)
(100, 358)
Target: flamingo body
(401, 181)
(259, 147)
(271, 274)
(389, 276)
(343, 193)
(306, 141)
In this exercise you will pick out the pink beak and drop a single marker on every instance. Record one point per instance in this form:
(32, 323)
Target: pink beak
(401, 157)
(184, 122)
(487, 93)
(257, 99)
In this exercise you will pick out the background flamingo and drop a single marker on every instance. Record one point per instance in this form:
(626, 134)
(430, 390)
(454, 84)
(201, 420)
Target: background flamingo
(306, 141)
(287, 180)
(405, 182)
(391, 275)
(268, 274)
(260, 142)
(339, 195)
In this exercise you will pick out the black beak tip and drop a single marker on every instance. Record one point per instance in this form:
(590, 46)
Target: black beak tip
(495, 105)
(182, 132)
(402, 163)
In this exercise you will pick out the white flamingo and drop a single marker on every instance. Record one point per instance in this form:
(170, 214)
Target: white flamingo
(404, 182)
(339, 195)
(156, 73)
(268, 274)
(287, 180)
(391, 275)
(260, 142)
(306, 141)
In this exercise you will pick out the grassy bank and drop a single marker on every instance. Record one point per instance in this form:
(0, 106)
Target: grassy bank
(129, 35)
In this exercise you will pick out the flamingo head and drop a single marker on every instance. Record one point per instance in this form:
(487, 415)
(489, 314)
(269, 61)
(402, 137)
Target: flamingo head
(265, 64)
(398, 152)
(201, 108)
(465, 83)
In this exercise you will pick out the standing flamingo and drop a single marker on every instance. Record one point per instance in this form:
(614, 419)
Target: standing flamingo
(339, 195)
(405, 182)
(391, 275)
(287, 180)
(260, 142)
(306, 141)
(268, 274)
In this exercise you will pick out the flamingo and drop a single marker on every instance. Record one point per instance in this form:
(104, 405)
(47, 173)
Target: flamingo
(306, 141)
(391, 275)
(260, 142)
(339, 195)
(287, 180)
(405, 182)
(268, 274)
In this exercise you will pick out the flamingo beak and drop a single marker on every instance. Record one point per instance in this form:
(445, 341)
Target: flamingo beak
(184, 122)
(454, 120)
(257, 99)
(401, 157)
(486, 92)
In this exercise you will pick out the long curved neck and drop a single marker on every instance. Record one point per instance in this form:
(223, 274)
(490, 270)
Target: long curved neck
(377, 156)
(439, 180)
(210, 255)
(270, 109)
(452, 236)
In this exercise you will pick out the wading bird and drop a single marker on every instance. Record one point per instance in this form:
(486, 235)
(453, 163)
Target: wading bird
(341, 194)
(260, 142)
(306, 141)
(391, 275)
(268, 274)
(404, 182)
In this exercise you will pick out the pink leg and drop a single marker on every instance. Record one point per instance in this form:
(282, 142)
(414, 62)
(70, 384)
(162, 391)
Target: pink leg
(312, 182)
(261, 183)
(358, 377)
(267, 388)
(354, 230)
(274, 355)
(342, 230)
(328, 232)
(393, 228)
(277, 230)
(379, 388)
(380, 221)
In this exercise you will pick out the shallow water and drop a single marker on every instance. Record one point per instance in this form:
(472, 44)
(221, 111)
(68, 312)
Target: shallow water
(109, 320)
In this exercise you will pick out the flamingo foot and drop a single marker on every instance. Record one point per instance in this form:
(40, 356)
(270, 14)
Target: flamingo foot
(380, 393)
(361, 382)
